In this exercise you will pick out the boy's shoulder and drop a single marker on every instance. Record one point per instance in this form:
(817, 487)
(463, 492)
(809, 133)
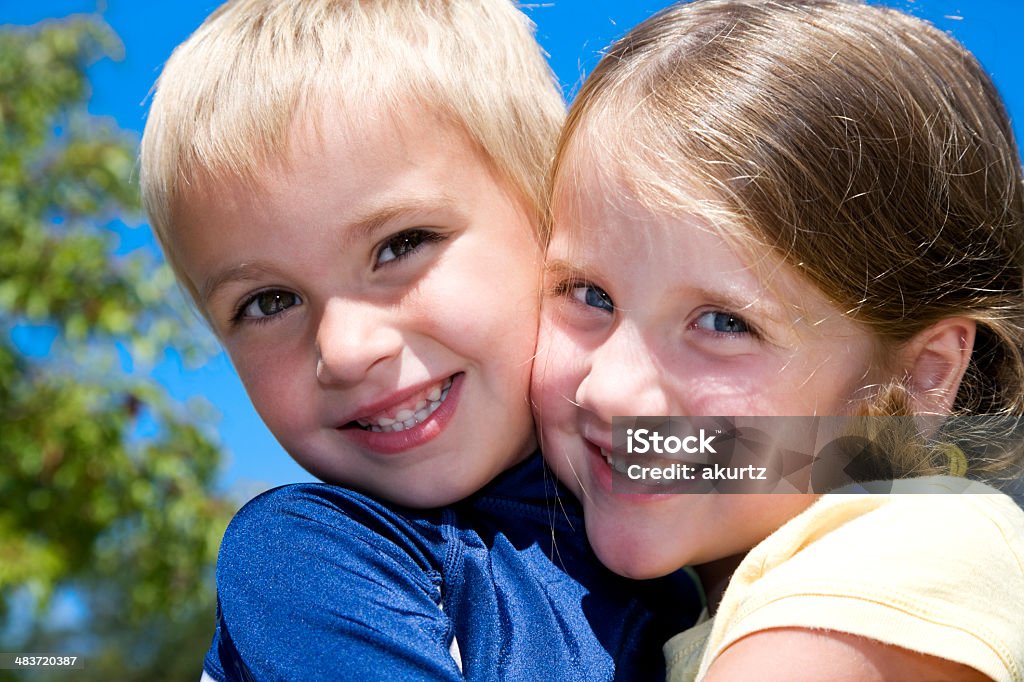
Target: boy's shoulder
(275, 525)
(310, 574)
(306, 563)
(292, 524)
(286, 529)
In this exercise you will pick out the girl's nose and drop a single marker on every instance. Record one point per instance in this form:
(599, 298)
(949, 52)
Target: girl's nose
(623, 379)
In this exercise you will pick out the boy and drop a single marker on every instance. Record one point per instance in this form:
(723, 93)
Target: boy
(350, 192)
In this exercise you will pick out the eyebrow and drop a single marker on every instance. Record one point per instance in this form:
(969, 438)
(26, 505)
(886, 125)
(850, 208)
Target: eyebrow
(563, 269)
(236, 273)
(362, 227)
(744, 302)
(369, 222)
(737, 300)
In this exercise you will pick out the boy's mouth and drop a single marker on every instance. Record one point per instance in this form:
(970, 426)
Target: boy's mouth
(413, 411)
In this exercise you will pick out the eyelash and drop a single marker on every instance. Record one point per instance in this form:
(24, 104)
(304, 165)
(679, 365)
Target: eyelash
(565, 288)
(750, 330)
(425, 236)
(562, 288)
(239, 317)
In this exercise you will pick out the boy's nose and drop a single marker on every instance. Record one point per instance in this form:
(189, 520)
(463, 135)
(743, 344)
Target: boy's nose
(352, 339)
(623, 380)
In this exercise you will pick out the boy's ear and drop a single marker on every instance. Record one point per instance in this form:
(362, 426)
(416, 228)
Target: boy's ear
(936, 360)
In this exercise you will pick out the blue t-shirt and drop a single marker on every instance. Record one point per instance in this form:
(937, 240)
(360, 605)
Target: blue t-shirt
(318, 582)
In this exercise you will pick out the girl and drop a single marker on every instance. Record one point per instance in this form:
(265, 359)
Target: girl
(799, 208)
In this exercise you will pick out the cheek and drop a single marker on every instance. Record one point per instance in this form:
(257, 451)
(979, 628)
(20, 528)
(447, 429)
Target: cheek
(824, 384)
(483, 306)
(557, 373)
(701, 389)
(494, 329)
(273, 382)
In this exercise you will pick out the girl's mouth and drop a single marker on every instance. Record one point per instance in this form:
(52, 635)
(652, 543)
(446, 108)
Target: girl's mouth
(618, 464)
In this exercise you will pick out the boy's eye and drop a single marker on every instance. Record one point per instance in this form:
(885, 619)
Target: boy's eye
(267, 303)
(404, 243)
(721, 323)
(593, 296)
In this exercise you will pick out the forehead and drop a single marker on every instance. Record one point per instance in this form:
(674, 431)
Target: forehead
(611, 167)
(669, 235)
(353, 143)
(598, 184)
(370, 136)
(339, 175)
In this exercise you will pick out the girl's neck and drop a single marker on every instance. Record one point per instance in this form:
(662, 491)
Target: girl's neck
(714, 577)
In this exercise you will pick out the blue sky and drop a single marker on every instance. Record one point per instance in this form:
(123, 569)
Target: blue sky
(571, 31)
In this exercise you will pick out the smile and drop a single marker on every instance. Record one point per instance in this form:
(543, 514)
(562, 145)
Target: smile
(414, 411)
(618, 464)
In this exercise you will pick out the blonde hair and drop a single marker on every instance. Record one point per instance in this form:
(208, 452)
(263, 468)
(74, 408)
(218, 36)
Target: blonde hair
(867, 148)
(228, 95)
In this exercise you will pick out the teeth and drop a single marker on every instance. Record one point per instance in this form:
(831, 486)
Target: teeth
(406, 418)
(618, 465)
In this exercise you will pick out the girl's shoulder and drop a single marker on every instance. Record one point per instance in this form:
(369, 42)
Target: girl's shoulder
(939, 574)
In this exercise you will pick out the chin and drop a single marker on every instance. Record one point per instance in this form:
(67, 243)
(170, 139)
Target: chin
(627, 556)
(637, 568)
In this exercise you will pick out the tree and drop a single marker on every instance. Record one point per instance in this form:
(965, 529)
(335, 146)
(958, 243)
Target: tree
(107, 487)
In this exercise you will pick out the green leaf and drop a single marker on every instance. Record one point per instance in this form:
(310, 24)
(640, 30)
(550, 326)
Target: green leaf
(129, 519)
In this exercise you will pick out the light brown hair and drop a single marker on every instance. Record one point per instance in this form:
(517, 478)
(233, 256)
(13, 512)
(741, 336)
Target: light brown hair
(866, 147)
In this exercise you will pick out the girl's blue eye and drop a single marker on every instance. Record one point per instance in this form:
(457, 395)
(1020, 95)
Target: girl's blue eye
(594, 297)
(404, 243)
(721, 323)
(268, 303)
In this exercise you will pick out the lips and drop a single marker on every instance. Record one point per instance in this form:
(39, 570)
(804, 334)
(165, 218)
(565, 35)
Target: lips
(418, 425)
(605, 468)
(619, 464)
(410, 412)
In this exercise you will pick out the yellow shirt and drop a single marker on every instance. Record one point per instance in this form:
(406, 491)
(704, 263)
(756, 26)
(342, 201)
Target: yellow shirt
(942, 574)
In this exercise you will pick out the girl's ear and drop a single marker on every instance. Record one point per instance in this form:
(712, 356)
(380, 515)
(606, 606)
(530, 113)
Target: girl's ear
(936, 360)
